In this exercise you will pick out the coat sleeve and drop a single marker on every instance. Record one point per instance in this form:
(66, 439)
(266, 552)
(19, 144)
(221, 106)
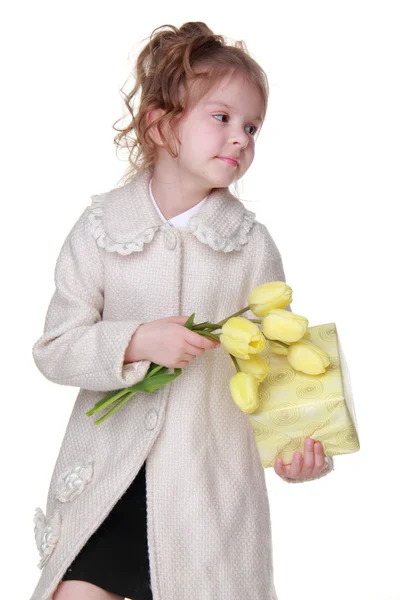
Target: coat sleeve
(271, 269)
(77, 347)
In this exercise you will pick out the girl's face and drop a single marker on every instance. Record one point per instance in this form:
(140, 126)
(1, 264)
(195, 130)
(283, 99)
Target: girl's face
(217, 135)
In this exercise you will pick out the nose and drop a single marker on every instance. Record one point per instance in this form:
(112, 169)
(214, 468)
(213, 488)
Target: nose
(239, 138)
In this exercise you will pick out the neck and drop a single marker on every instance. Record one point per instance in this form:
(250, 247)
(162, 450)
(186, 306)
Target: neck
(174, 191)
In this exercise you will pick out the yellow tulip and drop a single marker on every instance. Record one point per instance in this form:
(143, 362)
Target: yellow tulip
(308, 358)
(277, 348)
(244, 391)
(256, 365)
(284, 326)
(241, 337)
(264, 297)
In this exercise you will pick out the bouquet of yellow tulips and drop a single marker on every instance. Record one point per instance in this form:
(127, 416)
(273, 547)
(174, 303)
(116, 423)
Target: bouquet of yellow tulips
(243, 340)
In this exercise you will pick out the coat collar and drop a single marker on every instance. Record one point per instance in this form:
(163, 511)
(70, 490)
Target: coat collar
(124, 219)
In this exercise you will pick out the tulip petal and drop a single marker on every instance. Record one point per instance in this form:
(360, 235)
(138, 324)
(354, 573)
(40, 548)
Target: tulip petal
(274, 294)
(308, 358)
(284, 326)
(256, 366)
(238, 348)
(244, 391)
(241, 337)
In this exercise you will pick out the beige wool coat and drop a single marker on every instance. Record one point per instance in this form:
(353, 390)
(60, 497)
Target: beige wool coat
(209, 532)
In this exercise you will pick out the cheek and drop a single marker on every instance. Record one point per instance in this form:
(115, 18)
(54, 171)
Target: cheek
(202, 140)
(250, 153)
(249, 157)
(194, 136)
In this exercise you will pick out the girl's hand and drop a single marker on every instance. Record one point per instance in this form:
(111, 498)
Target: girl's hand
(310, 467)
(167, 342)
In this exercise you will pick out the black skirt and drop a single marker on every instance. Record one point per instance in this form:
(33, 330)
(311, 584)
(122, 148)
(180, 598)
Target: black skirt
(115, 557)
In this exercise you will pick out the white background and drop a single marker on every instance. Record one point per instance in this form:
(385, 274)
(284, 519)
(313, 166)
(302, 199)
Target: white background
(325, 181)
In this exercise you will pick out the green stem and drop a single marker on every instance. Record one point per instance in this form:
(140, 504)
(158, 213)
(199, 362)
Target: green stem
(276, 341)
(150, 373)
(209, 335)
(98, 407)
(236, 314)
(235, 363)
(212, 326)
(280, 343)
(114, 408)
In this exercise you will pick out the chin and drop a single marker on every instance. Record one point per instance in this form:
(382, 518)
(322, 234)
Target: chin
(222, 181)
(216, 178)
(225, 184)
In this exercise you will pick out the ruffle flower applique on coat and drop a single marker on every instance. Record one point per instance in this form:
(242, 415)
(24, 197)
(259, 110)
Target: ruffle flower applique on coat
(70, 484)
(73, 481)
(47, 533)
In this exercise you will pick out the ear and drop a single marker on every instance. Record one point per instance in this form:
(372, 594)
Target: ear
(154, 131)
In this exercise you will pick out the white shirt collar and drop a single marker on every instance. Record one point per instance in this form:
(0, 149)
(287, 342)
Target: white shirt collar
(181, 219)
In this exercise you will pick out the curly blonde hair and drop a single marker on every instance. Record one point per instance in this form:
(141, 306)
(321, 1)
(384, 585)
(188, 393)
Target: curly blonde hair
(175, 69)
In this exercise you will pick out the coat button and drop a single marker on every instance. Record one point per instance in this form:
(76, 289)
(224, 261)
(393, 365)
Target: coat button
(170, 238)
(171, 242)
(151, 419)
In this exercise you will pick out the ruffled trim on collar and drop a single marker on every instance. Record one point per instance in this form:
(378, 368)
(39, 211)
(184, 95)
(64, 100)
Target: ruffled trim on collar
(96, 226)
(209, 236)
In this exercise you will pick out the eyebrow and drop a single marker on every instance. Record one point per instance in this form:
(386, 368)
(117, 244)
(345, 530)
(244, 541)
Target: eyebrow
(229, 107)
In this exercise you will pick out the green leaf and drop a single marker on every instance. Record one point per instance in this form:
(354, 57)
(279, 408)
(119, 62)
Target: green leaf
(189, 322)
(105, 398)
(154, 383)
(201, 324)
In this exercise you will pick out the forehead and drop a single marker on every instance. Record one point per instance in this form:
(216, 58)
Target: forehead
(236, 94)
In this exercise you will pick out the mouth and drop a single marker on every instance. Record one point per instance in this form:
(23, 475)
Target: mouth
(229, 161)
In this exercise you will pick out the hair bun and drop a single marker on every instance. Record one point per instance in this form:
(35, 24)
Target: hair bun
(195, 29)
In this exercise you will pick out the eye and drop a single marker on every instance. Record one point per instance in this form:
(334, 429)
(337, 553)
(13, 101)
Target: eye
(254, 128)
(220, 115)
(253, 133)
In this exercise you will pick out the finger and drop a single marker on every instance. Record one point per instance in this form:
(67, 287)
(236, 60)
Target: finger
(296, 465)
(318, 447)
(278, 466)
(319, 457)
(309, 459)
(199, 341)
(194, 350)
(182, 364)
(293, 469)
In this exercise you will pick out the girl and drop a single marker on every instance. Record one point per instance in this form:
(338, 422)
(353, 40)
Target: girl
(166, 499)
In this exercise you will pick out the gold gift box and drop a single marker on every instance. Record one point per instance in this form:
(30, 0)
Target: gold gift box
(294, 405)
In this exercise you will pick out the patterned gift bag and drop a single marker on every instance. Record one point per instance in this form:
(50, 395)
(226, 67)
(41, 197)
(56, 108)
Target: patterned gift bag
(294, 405)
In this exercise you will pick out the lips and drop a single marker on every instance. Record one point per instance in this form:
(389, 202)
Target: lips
(234, 162)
